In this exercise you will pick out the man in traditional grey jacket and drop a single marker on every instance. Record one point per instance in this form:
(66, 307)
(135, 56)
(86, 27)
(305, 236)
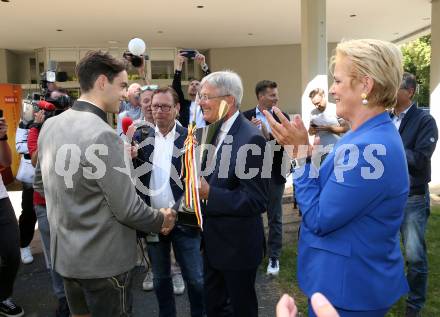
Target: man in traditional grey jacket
(92, 205)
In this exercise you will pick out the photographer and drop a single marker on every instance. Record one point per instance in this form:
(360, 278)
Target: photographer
(189, 107)
(9, 236)
(25, 175)
(40, 203)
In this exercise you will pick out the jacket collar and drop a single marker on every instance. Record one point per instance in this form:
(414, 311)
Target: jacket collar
(408, 115)
(377, 120)
(81, 105)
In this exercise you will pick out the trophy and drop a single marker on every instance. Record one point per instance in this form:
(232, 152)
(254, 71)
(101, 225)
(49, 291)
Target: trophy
(189, 207)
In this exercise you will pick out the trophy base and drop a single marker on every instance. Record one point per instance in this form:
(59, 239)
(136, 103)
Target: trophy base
(186, 218)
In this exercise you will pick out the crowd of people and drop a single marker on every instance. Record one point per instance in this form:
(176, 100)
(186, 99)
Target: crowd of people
(103, 196)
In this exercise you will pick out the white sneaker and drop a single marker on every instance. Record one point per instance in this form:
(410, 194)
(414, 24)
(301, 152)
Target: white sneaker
(26, 255)
(178, 284)
(147, 284)
(273, 267)
(9, 309)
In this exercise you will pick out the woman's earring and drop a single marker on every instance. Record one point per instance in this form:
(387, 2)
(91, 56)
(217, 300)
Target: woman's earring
(364, 99)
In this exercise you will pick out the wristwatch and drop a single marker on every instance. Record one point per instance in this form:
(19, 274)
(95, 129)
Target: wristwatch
(205, 67)
(5, 138)
(299, 163)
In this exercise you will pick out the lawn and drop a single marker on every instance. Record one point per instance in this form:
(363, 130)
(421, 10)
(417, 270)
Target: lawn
(288, 282)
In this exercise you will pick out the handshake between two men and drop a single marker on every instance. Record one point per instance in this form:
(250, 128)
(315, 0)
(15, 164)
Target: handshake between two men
(169, 220)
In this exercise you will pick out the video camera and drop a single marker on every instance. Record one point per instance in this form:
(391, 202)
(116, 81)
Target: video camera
(44, 101)
(51, 106)
(51, 76)
(135, 60)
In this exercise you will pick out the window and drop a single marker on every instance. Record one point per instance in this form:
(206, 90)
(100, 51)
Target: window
(162, 69)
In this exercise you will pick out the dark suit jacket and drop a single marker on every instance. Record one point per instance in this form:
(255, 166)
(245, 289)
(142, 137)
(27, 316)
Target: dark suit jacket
(279, 168)
(185, 104)
(419, 135)
(233, 227)
(145, 154)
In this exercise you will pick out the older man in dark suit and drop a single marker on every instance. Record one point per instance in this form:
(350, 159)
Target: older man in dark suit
(235, 196)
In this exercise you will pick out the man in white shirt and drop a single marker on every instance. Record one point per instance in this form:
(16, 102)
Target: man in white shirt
(323, 120)
(163, 187)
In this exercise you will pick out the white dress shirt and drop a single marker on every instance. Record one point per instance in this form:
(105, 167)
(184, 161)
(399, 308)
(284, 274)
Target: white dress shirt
(259, 115)
(200, 122)
(161, 194)
(224, 129)
(327, 117)
(397, 119)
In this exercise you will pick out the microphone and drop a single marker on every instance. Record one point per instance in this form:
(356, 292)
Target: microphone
(126, 123)
(44, 105)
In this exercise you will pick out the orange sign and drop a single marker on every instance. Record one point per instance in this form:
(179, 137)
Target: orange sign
(10, 103)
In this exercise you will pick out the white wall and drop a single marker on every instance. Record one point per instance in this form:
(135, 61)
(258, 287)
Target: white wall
(280, 63)
(3, 67)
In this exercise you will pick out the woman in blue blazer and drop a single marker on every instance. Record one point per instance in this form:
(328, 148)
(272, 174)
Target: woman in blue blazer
(352, 207)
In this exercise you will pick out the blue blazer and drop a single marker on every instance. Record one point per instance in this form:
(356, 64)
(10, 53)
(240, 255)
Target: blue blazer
(349, 242)
(233, 234)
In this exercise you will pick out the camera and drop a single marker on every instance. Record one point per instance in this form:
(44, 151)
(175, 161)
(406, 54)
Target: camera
(52, 103)
(188, 53)
(51, 106)
(135, 60)
(51, 76)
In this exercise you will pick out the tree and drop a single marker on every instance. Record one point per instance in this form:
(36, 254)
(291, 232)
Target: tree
(417, 61)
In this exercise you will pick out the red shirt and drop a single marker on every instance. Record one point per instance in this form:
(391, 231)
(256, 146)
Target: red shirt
(33, 147)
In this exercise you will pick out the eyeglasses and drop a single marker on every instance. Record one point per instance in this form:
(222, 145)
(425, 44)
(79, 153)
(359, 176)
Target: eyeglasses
(163, 108)
(149, 87)
(206, 97)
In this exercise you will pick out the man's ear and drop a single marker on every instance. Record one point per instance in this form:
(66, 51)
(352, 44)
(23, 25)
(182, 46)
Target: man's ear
(101, 81)
(177, 107)
(411, 92)
(231, 101)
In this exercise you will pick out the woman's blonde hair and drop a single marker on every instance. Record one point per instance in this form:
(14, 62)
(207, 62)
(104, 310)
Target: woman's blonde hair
(379, 60)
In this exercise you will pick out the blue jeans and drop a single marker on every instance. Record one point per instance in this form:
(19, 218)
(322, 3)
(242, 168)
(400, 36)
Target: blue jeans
(413, 230)
(186, 246)
(275, 219)
(43, 226)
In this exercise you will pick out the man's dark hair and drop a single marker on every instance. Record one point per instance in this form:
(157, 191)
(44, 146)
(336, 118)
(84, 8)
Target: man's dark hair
(97, 63)
(263, 85)
(164, 90)
(190, 79)
(316, 91)
(409, 82)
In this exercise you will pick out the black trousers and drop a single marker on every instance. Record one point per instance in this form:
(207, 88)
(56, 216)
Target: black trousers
(230, 293)
(9, 248)
(27, 219)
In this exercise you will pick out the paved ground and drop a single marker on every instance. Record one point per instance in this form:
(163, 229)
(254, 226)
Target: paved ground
(33, 291)
(33, 288)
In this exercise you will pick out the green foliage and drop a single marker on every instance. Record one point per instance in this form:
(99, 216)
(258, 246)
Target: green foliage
(288, 281)
(417, 61)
